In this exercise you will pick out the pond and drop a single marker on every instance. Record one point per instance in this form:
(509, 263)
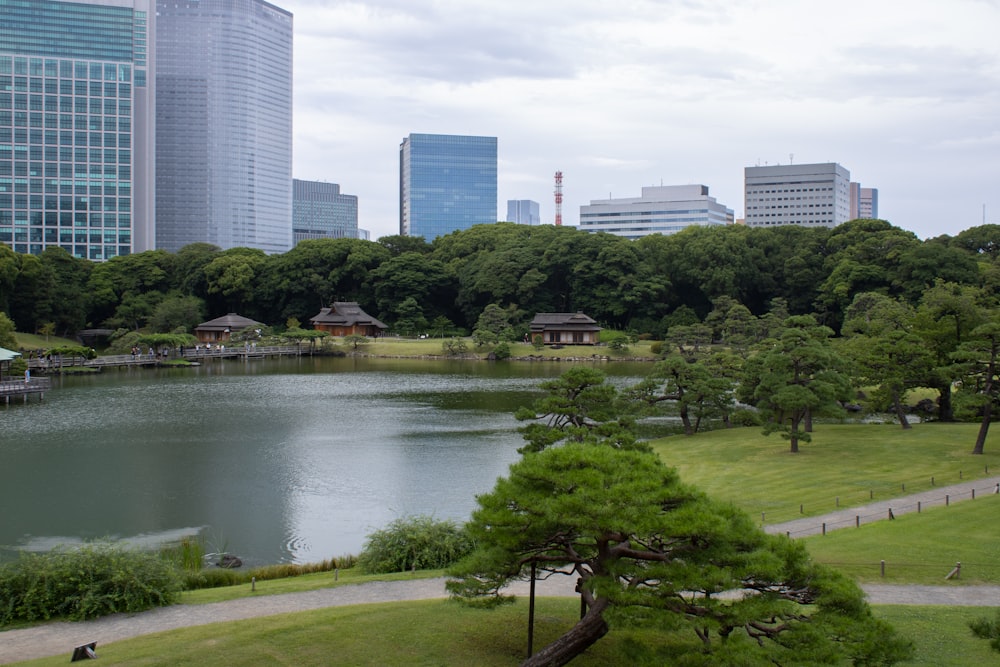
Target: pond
(290, 460)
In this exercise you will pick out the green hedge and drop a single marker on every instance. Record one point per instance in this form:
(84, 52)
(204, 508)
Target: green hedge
(84, 582)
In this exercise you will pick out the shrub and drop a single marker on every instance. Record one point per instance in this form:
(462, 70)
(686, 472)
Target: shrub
(502, 351)
(745, 417)
(537, 341)
(454, 347)
(414, 543)
(82, 583)
(656, 347)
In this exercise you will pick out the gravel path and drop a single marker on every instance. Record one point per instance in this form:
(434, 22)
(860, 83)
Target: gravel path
(61, 637)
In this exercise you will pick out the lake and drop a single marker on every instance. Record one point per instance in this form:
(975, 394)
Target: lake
(285, 460)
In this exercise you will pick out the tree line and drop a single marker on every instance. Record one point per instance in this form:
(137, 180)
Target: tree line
(644, 286)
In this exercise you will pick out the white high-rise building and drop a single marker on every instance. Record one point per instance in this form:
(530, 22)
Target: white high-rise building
(664, 209)
(811, 195)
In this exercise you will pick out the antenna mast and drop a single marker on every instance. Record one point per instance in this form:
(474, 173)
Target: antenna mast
(558, 194)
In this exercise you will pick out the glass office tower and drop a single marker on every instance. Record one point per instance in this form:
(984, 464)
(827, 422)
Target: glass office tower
(76, 126)
(320, 211)
(446, 183)
(223, 124)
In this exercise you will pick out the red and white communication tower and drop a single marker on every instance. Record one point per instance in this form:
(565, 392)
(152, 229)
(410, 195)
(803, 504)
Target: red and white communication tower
(558, 198)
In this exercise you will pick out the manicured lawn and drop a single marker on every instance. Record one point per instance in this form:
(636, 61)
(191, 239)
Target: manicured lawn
(35, 342)
(920, 548)
(851, 462)
(437, 632)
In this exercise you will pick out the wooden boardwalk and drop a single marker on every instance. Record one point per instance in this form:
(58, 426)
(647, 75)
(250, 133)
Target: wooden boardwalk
(34, 387)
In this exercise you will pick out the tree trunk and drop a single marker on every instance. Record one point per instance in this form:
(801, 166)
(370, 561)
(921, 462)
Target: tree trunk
(984, 427)
(578, 639)
(900, 413)
(945, 412)
(686, 420)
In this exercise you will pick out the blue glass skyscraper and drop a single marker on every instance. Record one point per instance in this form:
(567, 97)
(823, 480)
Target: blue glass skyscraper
(224, 124)
(76, 126)
(446, 183)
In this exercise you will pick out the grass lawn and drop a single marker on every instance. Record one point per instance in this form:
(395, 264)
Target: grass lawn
(920, 548)
(34, 342)
(436, 632)
(846, 461)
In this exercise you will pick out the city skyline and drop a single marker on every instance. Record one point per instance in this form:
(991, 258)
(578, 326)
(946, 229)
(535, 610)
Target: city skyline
(903, 93)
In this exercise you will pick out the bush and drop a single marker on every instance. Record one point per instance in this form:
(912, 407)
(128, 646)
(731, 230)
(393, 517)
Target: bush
(745, 417)
(414, 543)
(656, 347)
(454, 347)
(83, 583)
(502, 351)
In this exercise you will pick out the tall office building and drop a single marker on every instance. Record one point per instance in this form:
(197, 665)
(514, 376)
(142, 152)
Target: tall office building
(523, 212)
(446, 183)
(320, 211)
(864, 201)
(223, 124)
(76, 126)
(812, 195)
(664, 209)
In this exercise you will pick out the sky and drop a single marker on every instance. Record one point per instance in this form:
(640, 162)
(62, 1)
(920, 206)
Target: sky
(621, 94)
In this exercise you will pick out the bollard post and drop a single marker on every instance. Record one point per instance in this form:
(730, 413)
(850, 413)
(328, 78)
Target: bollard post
(960, 474)
(946, 500)
(857, 520)
(838, 501)
(904, 486)
(883, 568)
(973, 494)
(918, 507)
(932, 480)
(762, 517)
(253, 583)
(800, 509)
(891, 515)
(998, 488)
(824, 527)
(871, 494)
(788, 534)
(336, 573)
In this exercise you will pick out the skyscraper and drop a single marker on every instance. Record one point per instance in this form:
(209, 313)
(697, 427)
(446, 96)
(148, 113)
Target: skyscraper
(523, 212)
(663, 209)
(812, 195)
(446, 183)
(320, 211)
(76, 126)
(223, 124)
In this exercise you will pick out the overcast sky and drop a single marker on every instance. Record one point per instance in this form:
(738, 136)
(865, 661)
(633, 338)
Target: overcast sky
(618, 94)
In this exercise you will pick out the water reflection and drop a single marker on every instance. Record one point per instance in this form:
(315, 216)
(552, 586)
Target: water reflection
(290, 460)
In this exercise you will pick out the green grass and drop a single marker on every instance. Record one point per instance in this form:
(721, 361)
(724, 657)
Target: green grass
(941, 635)
(919, 548)
(852, 462)
(436, 632)
(28, 341)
